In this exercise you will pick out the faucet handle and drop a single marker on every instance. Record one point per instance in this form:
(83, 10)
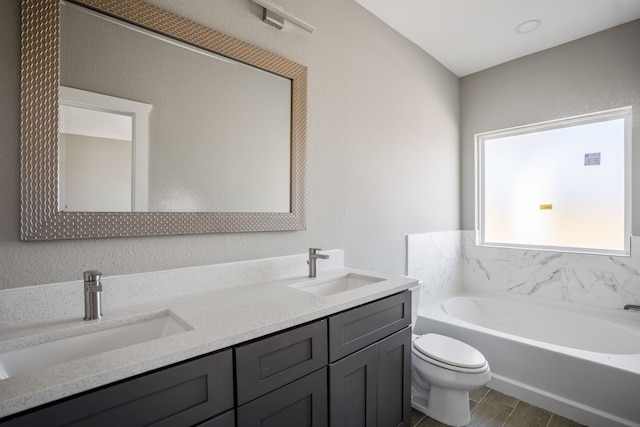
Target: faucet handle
(92, 281)
(314, 250)
(92, 275)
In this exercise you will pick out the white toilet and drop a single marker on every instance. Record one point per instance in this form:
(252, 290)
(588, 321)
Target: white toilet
(443, 372)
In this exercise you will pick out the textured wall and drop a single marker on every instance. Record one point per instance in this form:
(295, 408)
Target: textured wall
(382, 150)
(591, 74)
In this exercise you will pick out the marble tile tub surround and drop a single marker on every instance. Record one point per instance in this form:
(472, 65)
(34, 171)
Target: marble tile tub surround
(45, 303)
(436, 260)
(598, 280)
(450, 261)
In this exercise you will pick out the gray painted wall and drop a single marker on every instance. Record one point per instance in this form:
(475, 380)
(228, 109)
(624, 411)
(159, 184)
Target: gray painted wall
(382, 154)
(594, 73)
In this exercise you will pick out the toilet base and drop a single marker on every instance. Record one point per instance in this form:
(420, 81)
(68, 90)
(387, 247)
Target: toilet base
(445, 405)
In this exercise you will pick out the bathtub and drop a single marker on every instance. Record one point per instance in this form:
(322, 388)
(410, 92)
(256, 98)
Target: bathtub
(577, 361)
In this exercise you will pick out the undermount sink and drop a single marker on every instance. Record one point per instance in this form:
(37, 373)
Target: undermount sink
(336, 284)
(41, 355)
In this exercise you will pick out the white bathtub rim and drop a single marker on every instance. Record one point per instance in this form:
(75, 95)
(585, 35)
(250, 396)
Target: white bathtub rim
(626, 362)
(606, 313)
(564, 328)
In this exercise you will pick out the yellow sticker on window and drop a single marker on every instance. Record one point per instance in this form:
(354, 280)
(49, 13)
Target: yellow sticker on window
(546, 207)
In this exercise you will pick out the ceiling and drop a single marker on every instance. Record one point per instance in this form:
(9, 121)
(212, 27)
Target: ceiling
(467, 36)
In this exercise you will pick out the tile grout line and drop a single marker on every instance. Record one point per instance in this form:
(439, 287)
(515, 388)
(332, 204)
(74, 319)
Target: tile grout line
(549, 421)
(511, 413)
(422, 418)
(481, 399)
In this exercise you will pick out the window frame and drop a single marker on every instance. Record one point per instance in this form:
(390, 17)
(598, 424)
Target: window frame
(583, 119)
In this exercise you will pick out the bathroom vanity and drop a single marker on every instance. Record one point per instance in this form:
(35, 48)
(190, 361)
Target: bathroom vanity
(339, 359)
(352, 368)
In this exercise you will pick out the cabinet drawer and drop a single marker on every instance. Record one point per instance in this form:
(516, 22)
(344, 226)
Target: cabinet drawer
(301, 403)
(183, 394)
(355, 329)
(270, 363)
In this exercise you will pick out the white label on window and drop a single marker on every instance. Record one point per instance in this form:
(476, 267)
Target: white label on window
(592, 159)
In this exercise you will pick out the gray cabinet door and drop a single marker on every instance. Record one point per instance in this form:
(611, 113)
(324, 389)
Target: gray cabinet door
(302, 403)
(394, 380)
(371, 388)
(353, 389)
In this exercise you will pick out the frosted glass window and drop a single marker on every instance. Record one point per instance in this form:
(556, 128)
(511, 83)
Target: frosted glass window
(560, 185)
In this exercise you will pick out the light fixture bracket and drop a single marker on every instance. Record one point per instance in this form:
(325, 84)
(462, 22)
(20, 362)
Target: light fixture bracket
(275, 15)
(272, 19)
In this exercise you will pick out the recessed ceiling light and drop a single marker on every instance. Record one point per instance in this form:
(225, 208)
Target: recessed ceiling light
(528, 26)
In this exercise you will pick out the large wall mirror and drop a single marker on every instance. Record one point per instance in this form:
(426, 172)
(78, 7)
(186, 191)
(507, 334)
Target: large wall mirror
(137, 122)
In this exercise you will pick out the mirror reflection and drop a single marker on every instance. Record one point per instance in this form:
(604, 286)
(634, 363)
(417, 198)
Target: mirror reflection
(103, 153)
(86, 135)
(218, 137)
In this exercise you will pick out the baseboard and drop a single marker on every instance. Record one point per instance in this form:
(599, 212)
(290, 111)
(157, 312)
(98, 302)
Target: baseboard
(557, 404)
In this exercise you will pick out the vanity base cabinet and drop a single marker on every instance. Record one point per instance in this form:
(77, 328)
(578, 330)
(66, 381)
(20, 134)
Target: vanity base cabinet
(372, 387)
(180, 395)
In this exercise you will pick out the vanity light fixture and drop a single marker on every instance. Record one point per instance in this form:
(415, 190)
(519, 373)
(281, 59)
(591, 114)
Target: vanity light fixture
(528, 26)
(275, 15)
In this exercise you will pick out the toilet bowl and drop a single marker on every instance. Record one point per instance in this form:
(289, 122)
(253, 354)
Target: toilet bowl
(443, 372)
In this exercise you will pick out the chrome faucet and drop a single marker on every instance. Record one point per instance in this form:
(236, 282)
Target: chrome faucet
(632, 307)
(313, 256)
(92, 291)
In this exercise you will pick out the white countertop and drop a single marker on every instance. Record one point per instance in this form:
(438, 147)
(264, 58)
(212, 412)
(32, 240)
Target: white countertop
(220, 318)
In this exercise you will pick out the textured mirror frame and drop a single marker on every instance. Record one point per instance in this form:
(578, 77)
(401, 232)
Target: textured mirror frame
(39, 81)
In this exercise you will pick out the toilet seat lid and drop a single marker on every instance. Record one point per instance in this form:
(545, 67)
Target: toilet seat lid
(450, 351)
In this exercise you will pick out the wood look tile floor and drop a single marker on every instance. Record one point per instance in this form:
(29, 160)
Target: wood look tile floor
(490, 408)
